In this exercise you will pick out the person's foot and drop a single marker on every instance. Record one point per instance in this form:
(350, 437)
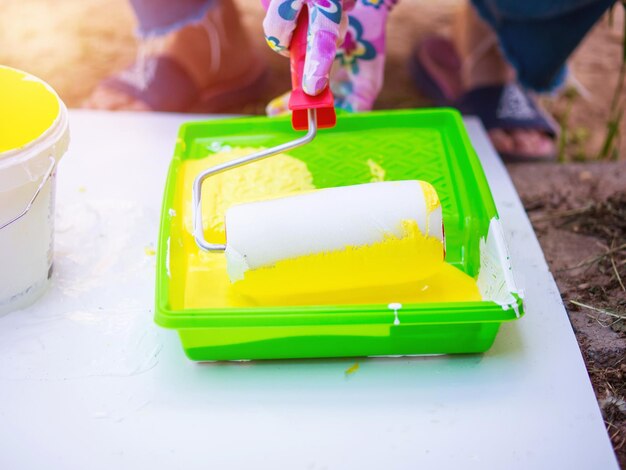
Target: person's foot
(527, 142)
(214, 53)
(484, 65)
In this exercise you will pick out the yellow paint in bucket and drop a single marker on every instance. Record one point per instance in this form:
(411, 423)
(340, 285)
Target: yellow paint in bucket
(29, 108)
(33, 137)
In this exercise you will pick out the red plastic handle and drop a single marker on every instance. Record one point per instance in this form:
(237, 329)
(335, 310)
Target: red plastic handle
(300, 102)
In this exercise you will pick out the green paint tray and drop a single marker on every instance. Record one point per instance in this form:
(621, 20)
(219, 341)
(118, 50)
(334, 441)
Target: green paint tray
(430, 145)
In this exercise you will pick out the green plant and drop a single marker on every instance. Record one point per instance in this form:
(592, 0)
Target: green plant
(570, 95)
(610, 147)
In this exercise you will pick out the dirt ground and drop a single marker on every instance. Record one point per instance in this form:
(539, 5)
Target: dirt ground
(578, 209)
(579, 215)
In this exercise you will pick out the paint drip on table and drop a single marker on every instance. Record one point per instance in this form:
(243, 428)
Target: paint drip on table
(419, 279)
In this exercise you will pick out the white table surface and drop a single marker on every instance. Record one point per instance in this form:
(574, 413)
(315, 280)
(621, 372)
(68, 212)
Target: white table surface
(88, 381)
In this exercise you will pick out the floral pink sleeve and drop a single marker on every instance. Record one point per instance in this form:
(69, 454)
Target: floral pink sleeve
(357, 76)
(325, 32)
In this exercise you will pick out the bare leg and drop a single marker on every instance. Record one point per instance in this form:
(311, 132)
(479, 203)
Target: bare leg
(484, 65)
(214, 51)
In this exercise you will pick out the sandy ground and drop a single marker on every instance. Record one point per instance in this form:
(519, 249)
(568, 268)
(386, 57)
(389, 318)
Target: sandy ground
(73, 44)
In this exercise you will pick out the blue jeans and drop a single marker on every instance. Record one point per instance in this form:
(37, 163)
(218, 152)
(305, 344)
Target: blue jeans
(538, 36)
(157, 17)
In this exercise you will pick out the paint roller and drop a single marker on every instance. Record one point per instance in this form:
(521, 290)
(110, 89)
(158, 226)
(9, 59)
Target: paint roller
(343, 238)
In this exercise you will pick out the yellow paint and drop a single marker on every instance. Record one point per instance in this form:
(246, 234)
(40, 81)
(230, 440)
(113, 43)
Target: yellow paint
(393, 261)
(377, 171)
(27, 109)
(199, 279)
(352, 369)
(432, 199)
(149, 251)
(277, 176)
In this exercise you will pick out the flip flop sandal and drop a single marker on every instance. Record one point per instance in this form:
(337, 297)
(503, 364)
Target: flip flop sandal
(168, 87)
(437, 71)
(508, 107)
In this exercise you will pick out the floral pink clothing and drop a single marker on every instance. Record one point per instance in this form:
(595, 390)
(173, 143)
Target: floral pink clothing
(352, 44)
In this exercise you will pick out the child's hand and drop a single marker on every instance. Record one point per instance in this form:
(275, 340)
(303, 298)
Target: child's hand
(327, 25)
(357, 77)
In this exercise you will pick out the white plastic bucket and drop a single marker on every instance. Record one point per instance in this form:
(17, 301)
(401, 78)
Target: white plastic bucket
(27, 185)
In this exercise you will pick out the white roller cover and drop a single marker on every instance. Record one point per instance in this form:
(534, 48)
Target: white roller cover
(261, 233)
